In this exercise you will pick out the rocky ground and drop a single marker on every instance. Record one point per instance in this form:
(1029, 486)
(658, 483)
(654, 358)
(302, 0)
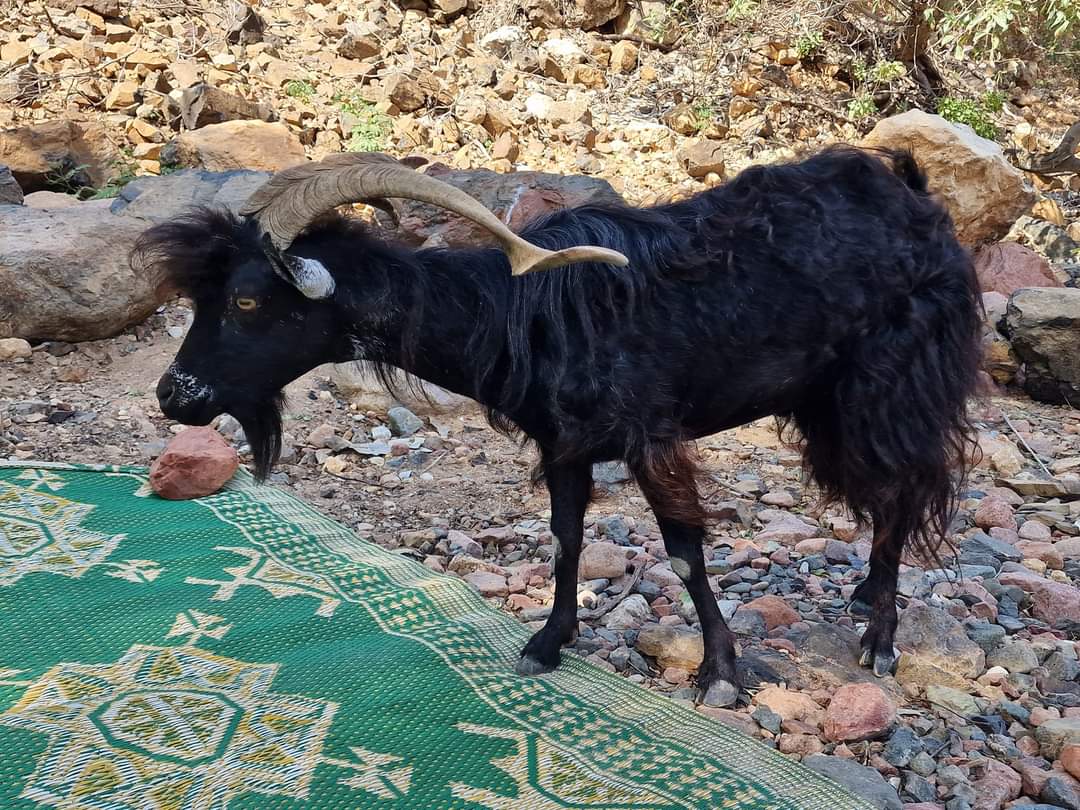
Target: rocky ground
(983, 710)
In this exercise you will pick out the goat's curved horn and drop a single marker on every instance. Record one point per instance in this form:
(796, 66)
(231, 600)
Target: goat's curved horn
(293, 198)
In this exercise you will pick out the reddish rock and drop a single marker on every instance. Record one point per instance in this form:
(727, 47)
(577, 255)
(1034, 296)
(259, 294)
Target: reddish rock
(196, 463)
(998, 784)
(775, 611)
(1050, 600)
(1070, 760)
(787, 530)
(1008, 266)
(994, 513)
(1034, 530)
(859, 711)
(1045, 552)
(602, 561)
(800, 745)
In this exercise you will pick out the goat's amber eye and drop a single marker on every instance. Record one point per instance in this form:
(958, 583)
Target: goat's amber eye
(246, 304)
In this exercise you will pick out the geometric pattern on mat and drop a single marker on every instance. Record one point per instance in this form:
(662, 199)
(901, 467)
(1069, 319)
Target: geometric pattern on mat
(245, 651)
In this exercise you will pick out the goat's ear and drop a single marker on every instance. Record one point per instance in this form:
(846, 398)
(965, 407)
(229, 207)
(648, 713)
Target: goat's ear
(309, 276)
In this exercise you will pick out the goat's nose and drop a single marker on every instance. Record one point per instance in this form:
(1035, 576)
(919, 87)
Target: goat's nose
(166, 391)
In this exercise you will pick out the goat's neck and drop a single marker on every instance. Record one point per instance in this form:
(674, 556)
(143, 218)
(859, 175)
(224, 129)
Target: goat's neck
(381, 311)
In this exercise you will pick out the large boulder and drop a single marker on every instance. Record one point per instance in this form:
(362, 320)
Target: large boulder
(984, 192)
(65, 273)
(231, 145)
(73, 152)
(516, 198)
(1044, 327)
(1006, 267)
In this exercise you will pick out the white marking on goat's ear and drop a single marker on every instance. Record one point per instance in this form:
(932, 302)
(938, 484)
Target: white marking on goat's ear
(311, 277)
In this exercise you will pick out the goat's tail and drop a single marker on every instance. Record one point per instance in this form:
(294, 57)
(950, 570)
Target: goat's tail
(887, 432)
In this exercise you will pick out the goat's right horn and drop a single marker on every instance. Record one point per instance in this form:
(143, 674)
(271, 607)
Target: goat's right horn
(294, 197)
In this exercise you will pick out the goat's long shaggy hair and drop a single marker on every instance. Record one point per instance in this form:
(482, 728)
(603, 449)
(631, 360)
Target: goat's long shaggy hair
(830, 292)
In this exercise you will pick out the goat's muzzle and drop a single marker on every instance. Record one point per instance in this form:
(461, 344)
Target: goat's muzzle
(184, 398)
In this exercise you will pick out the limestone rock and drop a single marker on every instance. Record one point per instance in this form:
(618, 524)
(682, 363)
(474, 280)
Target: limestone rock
(48, 288)
(1006, 267)
(14, 349)
(984, 192)
(791, 705)
(82, 151)
(1044, 327)
(589, 14)
(672, 646)
(702, 157)
(937, 638)
(233, 145)
(197, 463)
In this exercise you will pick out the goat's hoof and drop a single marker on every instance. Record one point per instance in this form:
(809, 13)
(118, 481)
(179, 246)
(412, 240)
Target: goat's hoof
(882, 662)
(859, 609)
(528, 666)
(720, 694)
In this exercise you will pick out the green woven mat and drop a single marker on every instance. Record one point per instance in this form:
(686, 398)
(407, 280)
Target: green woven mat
(244, 651)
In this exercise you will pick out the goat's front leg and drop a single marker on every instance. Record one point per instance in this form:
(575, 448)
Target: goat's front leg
(717, 677)
(570, 486)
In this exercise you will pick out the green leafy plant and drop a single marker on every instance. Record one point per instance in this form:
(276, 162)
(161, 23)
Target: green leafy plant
(809, 44)
(704, 113)
(370, 128)
(861, 107)
(300, 90)
(885, 72)
(990, 26)
(741, 10)
(973, 112)
(66, 177)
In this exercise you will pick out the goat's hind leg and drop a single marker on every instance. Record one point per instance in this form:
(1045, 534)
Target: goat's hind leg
(875, 598)
(570, 486)
(670, 490)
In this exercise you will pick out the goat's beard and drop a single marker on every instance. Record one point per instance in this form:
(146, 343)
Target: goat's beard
(262, 426)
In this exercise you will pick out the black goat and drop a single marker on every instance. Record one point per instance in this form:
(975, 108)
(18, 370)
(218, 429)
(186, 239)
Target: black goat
(830, 292)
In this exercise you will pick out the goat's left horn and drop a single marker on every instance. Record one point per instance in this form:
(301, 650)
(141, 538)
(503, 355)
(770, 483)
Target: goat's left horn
(293, 198)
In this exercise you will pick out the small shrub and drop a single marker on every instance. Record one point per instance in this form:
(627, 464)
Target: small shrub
(371, 129)
(809, 44)
(972, 112)
(885, 72)
(298, 89)
(861, 107)
(741, 10)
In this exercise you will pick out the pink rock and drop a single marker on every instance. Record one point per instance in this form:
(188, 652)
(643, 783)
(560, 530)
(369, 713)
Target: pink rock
(1006, 267)
(801, 745)
(1050, 601)
(732, 719)
(1070, 760)
(859, 711)
(519, 601)
(994, 512)
(1040, 715)
(1034, 530)
(808, 548)
(197, 463)
(775, 611)
(1046, 552)
(923, 806)
(487, 583)
(998, 784)
(602, 561)
(787, 530)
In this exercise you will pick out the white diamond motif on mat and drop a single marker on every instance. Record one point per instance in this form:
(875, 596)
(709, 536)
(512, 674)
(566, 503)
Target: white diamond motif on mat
(42, 532)
(168, 727)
